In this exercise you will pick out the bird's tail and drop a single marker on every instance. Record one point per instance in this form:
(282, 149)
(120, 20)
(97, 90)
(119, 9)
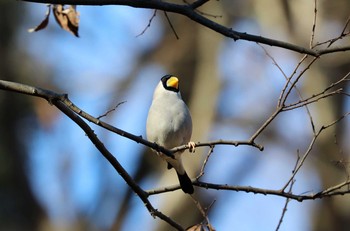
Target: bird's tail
(185, 183)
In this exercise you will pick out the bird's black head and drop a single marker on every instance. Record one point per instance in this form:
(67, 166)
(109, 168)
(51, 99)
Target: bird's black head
(171, 83)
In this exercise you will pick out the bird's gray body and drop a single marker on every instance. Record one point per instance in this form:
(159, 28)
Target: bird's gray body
(169, 123)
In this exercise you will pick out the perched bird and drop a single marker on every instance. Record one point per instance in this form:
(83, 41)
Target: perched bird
(169, 124)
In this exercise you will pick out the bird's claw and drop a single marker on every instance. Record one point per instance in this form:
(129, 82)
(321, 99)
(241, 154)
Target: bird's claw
(191, 146)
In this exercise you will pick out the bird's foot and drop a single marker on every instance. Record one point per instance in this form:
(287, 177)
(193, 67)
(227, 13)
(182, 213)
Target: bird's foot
(191, 146)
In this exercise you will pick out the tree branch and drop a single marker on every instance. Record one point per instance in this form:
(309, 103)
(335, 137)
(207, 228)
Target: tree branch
(298, 197)
(190, 12)
(53, 96)
(332, 191)
(59, 100)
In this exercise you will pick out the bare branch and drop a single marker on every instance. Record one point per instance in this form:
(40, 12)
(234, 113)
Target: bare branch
(294, 169)
(201, 173)
(313, 26)
(321, 95)
(171, 25)
(288, 91)
(333, 191)
(254, 190)
(51, 97)
(309, 149)
(312, 99)
(149, 23)
(204, 213)
(111, 110)
(219, 142)
(284, 208)
(165, 189)
(59, 100)
(288, 80)
(188, 11)
(342, 35)
(265, 124)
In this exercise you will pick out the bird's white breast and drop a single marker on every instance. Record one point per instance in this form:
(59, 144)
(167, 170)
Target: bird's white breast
(169, 121)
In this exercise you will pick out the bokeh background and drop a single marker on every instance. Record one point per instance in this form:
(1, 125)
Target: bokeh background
(53, 178)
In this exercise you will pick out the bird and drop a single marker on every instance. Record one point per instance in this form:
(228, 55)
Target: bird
(169, 124)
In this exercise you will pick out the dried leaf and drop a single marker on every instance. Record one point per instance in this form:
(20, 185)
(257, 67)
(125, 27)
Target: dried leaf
(68, 18)
(44, 23)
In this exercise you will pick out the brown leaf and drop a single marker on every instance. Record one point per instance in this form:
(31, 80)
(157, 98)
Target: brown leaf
(68, 18)
(44, 23)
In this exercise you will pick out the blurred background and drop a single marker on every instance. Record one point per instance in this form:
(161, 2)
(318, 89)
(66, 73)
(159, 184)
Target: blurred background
(53, 178)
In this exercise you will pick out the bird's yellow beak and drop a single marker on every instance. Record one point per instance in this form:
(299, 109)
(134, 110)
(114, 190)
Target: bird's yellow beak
(173, 82)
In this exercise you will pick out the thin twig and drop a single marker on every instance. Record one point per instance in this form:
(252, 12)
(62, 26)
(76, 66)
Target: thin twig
(264, 125)
(342, 34)
(320, 95)
(336, 187)
(284, 210)
(313, 25)
(310, 147)
(312, 99)
(201, 173)
(330, 42)
(288, 91)
(288, 80)
(202, 211)
(110, 110)
(291, 180)
(149, 23)
(171, 25)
